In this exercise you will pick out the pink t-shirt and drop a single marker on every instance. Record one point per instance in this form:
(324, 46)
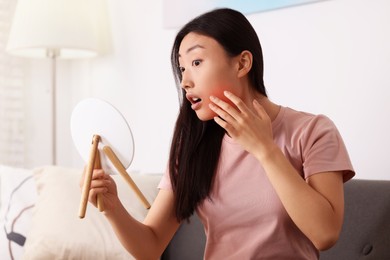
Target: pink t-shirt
(244, 218)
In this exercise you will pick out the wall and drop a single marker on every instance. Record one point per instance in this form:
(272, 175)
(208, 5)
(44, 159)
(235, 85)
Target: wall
(330, 57)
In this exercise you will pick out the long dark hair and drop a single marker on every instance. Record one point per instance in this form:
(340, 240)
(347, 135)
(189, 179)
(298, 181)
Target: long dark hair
(196, 145)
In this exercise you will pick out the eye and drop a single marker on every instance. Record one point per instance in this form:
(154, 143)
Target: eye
(196, 63)
(182, 69)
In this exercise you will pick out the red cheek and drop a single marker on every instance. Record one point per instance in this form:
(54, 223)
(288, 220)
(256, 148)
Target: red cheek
(219, 94)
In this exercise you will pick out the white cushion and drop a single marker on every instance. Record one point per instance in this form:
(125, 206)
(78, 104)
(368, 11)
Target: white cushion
(58, 233)
(17, 195)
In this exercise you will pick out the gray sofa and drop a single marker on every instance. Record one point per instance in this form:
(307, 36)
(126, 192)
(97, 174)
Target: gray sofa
(365, 233)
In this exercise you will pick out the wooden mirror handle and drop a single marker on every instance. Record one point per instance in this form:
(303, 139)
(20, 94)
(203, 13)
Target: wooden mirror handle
(88, 176)
(122, 171)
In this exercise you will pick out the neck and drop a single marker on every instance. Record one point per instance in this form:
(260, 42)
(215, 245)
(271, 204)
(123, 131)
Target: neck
(271, 108)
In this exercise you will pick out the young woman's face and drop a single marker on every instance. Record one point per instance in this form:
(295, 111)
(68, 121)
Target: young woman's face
(206, 71)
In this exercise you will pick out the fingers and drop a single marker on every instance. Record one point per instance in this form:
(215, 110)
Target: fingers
(92, 197)
(260, 109)
(223, 109)
(96, 174)
(240, 109)
(227, 112)
(99, 184)
(228, 115)
(99, 179)
(236, 101)
(236, 117)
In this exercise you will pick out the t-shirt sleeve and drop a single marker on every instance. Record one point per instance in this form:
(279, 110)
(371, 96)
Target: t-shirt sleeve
(323, 149)
(165, 182)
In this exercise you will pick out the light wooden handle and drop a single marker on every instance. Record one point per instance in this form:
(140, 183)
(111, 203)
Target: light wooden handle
(88, 176)
(122, 170)
(98, 165)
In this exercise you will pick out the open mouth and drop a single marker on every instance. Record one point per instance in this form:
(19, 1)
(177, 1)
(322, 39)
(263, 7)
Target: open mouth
(193, 99)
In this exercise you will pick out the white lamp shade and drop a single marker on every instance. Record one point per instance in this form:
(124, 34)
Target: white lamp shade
(68, 28)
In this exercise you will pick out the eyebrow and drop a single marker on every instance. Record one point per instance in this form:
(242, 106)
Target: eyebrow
(193, 47)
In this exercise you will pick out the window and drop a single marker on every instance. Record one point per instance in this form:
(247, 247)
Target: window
(12, 84)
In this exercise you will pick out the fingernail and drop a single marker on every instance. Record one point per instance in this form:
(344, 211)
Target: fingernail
(226, 93)
(213, 98)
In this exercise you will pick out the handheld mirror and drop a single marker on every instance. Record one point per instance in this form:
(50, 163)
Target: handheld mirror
(94, 116)
(104, 140)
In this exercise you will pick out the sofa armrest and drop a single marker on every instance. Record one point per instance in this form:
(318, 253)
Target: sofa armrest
(366, 229)
(188, 242)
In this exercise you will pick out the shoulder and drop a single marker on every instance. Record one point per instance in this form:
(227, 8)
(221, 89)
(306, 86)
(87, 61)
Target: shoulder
(318, 141)
(306, 118)
(304, 123)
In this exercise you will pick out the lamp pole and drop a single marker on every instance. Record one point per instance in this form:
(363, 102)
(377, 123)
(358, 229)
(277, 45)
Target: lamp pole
(52, 54)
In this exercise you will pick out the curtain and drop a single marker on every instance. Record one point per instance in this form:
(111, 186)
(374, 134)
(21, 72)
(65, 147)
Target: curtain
(12, 90)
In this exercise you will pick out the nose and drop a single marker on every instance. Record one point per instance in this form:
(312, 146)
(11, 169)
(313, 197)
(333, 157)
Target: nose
(186, 81)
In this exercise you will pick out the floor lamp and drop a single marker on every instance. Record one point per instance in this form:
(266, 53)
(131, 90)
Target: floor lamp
(58, 29)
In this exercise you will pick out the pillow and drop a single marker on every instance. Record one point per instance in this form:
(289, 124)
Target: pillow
(17, 196)
(58, 233)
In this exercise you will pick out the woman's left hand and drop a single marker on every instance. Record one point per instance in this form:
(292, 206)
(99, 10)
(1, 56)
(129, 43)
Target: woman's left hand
(251, 128)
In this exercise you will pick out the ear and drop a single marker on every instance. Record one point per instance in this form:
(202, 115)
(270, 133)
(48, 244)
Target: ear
(245, 60)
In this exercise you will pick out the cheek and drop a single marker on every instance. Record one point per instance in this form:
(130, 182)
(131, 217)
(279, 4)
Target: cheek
(209, 114)
(219, 94)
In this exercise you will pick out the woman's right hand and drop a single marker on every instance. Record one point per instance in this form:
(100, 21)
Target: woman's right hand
(104, 184)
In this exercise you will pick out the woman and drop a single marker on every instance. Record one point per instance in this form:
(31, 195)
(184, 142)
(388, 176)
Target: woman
(266, 180)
